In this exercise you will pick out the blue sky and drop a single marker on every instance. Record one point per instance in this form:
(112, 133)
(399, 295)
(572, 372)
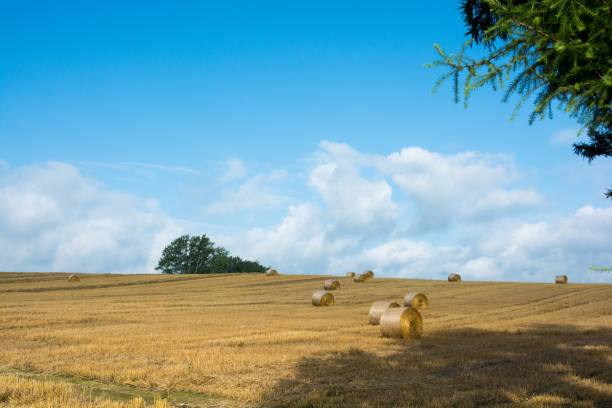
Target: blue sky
(278, 130)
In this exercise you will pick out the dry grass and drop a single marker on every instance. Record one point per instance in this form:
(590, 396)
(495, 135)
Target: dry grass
(16, 391)
(253, 341)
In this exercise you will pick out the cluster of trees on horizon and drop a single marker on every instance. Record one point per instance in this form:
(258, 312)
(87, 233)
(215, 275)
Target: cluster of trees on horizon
(198, 254)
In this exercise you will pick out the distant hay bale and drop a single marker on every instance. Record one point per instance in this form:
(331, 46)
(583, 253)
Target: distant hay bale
(402, 322)
(454, 277)
(378, 308)
(73, 278)
(561, 279)
(271, 272)
(350, 274)
(369, 274)
(416, 300)
(331, 284)
(322, 298)
(360, 278)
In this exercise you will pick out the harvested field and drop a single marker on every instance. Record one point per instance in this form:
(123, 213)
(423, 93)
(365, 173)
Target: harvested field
(488, 344)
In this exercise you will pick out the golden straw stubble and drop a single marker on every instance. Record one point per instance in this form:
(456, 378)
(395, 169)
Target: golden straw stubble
(561, 279)
(401, 322)
(331, 284)
(454, 277)
(271, 272)
(416, 300)
(378, 308)
(322, 298)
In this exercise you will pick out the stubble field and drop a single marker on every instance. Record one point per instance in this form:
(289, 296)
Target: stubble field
(252, 340)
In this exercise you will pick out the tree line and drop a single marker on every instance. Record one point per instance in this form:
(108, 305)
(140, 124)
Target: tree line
(198, 254)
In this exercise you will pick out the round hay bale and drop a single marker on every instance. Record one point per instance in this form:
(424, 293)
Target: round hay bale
(378, 308)
(416, 300)
(73, 278)
(561, 279)
(454, 277)
(271, 272)
(322, 298)
(402, 322)
(350, 274)
(369, 274)
(331, 284)
(360, 278)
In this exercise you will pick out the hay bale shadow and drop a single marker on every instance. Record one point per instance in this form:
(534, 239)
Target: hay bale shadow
(546, 365)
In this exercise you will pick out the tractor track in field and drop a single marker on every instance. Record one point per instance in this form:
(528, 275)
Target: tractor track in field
(116, 392)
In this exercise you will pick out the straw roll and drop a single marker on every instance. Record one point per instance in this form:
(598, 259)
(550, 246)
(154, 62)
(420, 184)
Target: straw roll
(360, 278)
(561, 279)
(350, 274)
(73, 278)
(454, 277)
(331, 284)
(322, 298)
(378, 308)
(271, 272)
(402, 322)
(369, 274)
(416, 300)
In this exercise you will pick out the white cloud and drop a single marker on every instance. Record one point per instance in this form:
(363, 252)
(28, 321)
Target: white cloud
(54, 219)
(255, 193)
(569, 245)
(475, 216)
(139, 167)
(476, 192)
(447, 189)
(564, 137)
(236, 169)
(352, 201)
(299, 244)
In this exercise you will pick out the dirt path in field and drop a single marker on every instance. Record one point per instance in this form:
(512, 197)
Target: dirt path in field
(95, 389)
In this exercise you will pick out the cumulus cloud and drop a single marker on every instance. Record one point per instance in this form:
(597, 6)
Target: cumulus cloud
(256, 193)
(413, 213)
(354, 202)
(476, 192)
(236, 169)
(564, 137)
(447, 189)
(54, 219)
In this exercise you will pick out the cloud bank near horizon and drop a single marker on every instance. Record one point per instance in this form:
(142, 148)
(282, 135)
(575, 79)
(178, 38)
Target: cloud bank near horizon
(412, 213)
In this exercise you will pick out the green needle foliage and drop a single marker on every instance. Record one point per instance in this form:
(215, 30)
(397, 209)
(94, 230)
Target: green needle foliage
(556, 51)
(198, 254)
